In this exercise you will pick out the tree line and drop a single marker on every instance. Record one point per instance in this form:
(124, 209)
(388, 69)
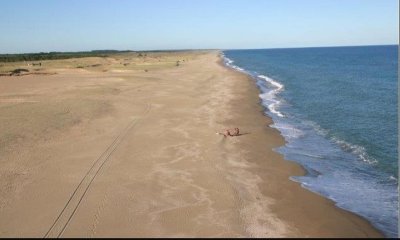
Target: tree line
(55, 55)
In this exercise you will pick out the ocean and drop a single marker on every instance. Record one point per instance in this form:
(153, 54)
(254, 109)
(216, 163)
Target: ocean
(336, 107)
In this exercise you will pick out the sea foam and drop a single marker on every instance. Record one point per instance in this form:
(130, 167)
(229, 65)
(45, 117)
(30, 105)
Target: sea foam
(270, 96)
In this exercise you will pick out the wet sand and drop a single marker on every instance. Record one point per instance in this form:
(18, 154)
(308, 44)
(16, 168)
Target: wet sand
(117, 151)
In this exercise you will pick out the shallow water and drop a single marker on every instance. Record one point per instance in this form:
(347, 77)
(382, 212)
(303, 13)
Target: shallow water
(337, 109)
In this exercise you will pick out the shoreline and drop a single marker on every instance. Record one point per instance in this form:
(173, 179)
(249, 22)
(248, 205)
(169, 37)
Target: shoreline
(128, 148)
(321, 199)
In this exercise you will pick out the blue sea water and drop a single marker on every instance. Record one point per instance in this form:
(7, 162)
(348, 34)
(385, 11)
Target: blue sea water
(337, 110)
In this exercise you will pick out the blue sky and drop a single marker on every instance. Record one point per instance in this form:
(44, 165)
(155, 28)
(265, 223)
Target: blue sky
(78, 25)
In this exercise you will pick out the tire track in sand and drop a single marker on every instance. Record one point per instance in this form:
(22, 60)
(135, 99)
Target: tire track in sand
(65, 216)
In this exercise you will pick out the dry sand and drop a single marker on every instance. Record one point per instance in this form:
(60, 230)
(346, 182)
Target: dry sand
(112, 150)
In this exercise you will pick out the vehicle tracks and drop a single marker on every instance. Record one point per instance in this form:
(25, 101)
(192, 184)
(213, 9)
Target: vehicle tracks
(70, 208)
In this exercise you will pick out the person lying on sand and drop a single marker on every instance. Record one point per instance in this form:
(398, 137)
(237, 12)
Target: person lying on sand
(230, 132)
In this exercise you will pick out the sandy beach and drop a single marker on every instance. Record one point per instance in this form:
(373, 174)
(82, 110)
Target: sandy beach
(125, 146)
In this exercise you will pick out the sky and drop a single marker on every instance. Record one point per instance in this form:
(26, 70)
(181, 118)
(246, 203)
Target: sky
(82, 25)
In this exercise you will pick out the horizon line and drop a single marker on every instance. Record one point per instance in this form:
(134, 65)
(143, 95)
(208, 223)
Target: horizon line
(368, 45)
(202, 49)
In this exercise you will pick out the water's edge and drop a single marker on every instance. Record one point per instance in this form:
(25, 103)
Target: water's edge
(226, 62)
